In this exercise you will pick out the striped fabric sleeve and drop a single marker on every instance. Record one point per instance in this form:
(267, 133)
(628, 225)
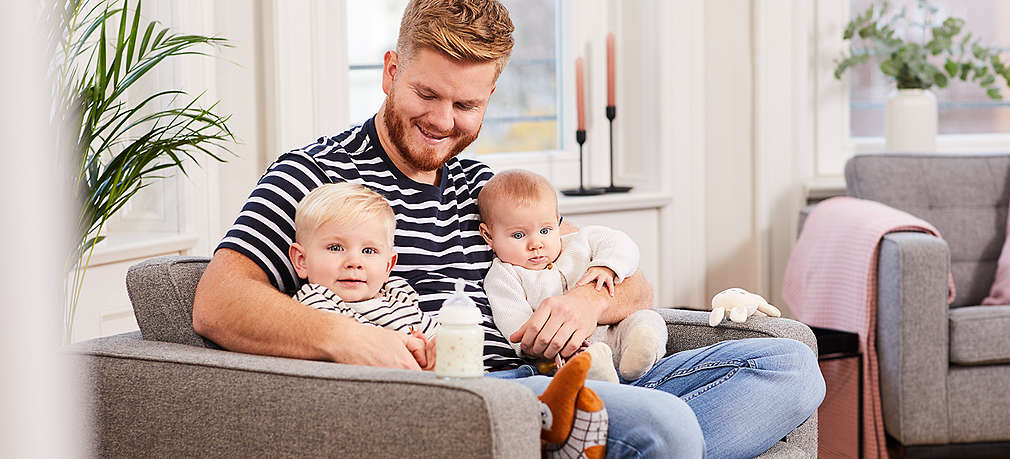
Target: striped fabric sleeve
(395, 308)
(402, 297)
(265, 227)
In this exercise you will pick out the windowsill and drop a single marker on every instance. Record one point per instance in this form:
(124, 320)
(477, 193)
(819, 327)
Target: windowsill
(613, 202)
(122, 247)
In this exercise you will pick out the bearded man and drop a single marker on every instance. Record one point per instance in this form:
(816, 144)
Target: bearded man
(732, 399)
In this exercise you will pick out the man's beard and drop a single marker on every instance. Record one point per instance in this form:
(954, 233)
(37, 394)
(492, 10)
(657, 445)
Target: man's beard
(425, 159)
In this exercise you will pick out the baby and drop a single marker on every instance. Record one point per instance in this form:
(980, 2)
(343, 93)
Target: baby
(533, 261)
(344, 247)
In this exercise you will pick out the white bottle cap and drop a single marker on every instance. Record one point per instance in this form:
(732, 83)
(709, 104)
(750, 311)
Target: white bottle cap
(459, 309)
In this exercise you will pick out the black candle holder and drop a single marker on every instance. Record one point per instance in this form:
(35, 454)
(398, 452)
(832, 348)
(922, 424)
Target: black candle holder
(611, 114)
(582, 190)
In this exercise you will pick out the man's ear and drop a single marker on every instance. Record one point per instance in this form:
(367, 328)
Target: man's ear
(297, 255)
(390, 64)
(390, 264)
(485, 233)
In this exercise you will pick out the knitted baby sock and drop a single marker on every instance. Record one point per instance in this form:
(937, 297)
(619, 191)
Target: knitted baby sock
(638, 341)
(602, 368)
(640, 353)
(574, 419)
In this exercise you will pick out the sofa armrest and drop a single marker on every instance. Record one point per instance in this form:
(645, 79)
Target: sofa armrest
(171, 400)
(913, 336)
(162, 290)
(689, 329)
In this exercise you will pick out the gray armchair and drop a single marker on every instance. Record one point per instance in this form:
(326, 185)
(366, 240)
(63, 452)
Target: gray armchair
(167, 392)
(944, 370)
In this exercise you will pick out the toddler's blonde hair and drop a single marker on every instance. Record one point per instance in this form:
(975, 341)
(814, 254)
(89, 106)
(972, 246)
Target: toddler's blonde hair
(343, 202)
(475, 31)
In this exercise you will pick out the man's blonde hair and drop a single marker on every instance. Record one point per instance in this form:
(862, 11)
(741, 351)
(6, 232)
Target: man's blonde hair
(519, 187)
(343, 202)
(475, 31)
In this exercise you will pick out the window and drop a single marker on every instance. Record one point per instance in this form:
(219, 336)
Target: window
(963, 107)
(525, 110)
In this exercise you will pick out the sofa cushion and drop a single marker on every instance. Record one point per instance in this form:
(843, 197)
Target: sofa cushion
(161, 290)
(980, 335)
(977, 406)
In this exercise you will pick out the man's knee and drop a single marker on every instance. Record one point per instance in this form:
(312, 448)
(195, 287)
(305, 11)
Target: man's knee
(801, 369)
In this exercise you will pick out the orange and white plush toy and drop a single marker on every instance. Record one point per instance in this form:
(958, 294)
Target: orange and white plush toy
(574, 419)
(738, 304)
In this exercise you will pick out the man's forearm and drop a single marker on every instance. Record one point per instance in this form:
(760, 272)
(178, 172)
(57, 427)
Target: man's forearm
(634, 294)
(236, 307)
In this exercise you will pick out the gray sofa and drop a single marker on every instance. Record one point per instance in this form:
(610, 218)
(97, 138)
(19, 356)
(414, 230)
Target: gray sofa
(167, 392)
(944, 370)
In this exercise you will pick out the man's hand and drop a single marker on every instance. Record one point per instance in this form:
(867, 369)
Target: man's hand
(602, 276)
(382, 347)
(561, 323)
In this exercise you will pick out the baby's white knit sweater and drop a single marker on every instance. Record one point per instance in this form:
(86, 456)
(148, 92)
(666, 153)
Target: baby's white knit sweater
(515, 292)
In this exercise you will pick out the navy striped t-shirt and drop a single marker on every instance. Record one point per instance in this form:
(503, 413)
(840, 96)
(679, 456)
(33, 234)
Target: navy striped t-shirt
(436, 239)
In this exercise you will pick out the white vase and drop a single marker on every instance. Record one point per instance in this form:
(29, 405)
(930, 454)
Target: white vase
(910, 121)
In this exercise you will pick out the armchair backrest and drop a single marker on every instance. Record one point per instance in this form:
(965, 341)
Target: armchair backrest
(161, 290)
(964, 196)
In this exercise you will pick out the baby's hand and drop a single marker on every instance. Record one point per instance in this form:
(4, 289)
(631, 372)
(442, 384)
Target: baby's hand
(429, 350)
(602, 275)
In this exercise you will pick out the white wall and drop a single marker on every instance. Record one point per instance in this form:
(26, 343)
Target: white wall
(731, 245)
(759, 138)
(240, 81)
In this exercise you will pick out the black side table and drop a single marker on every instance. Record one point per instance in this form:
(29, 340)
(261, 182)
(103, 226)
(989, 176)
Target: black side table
(838, 344)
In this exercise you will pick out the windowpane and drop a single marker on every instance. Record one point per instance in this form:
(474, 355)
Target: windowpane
(524, 112)
(964, 107)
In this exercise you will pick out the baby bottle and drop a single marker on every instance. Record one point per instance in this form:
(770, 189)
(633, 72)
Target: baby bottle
(459, 350)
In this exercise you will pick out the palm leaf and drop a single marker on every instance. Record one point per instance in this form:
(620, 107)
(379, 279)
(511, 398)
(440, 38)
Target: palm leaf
(126, 142)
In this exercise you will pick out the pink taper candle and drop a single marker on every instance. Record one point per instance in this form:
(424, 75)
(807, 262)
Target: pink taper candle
(611, 76)
(580, 94)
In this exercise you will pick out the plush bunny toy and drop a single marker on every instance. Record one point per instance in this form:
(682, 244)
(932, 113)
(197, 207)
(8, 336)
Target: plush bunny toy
(738, 304)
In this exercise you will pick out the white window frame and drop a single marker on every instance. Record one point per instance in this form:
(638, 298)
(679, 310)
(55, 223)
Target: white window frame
(551, 162)
(584, 27)
(835, 143)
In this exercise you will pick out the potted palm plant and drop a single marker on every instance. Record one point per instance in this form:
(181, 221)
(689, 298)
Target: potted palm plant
(919, 52)
(123, 142)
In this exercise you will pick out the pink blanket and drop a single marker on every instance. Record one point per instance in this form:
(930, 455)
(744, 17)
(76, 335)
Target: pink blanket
(830, 281)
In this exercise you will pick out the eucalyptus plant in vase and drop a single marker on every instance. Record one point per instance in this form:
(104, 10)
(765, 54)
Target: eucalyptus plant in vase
(123, 142)
(917, 52)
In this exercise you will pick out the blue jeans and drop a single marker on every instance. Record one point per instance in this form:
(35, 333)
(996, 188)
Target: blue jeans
(733, 399)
